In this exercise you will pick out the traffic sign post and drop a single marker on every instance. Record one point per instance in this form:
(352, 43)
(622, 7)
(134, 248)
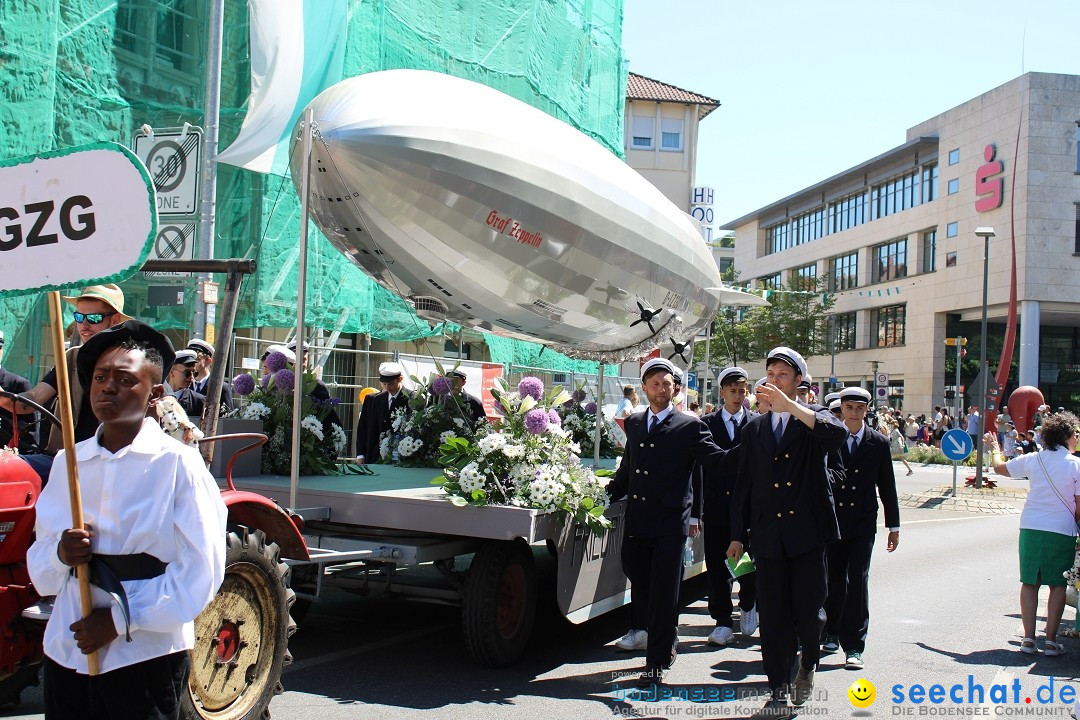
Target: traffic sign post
(172, 157)
(956, 445)
(881, 389)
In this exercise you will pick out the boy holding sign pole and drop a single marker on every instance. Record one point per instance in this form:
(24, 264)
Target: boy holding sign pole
(151, 539)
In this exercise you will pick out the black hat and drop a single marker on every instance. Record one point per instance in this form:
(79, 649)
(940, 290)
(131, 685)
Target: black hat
(111, 337)
(457, 373)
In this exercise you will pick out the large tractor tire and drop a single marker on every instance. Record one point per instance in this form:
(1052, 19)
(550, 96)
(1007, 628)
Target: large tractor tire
(499, 602)
(242, 637)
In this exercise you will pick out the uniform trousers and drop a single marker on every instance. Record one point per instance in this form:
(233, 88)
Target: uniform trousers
(847, 608)
(149, 690)
(717, 539)
(654, 567)
(790, 597)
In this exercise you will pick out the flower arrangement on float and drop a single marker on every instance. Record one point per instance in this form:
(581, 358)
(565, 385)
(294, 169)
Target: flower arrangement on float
(525, 459)
(416, 433)
(580, 421)
(270, 399)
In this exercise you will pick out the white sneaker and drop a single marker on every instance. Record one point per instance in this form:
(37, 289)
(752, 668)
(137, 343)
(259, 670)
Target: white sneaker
(721, 635)
(633, 640)
(748, 621)
(41, 610)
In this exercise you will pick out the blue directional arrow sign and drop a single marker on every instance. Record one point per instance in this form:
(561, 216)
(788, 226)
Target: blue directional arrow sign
(956, 444)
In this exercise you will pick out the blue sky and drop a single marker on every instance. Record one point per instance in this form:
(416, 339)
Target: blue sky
(808, 89)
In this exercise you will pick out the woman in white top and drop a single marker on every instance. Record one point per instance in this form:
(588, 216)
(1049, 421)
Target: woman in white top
(626, 406)
(897, 445)
(1047, 523)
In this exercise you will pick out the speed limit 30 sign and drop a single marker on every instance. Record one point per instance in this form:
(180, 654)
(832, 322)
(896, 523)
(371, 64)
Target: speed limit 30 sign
(172, 158)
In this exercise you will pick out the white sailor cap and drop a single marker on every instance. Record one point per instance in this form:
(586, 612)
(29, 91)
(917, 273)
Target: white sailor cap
(1, 338)
(201, 346)
(855, 394)
(790, 357)
(733, 373)
(185, 357)
(834, 404)
(292, 346)
(657, 363)
(827, 400)
(390, 371)
(760, 382)
(807, 381)
(458, 373)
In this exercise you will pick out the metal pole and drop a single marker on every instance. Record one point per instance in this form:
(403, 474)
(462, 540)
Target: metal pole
(959, 352)
(983, 372)
(301, 291)
(705, 396)
(832, 362)
(211, 110)
(599, 425)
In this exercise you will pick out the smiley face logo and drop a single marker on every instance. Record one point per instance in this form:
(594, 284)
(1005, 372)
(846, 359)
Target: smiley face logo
(862, 693)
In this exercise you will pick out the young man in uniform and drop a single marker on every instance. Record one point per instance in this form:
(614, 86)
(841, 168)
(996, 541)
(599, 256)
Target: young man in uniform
(153, 537)
(726, 426)
(868, 473)
(376, 410)
(468, 407)
(204, 353)
(783, 498)
(180, 383)
(655, 477)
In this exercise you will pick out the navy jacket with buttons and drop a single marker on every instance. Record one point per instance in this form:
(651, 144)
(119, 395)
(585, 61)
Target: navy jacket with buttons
(655, 475)
(783, 495)
(869, 473)
(719, 487)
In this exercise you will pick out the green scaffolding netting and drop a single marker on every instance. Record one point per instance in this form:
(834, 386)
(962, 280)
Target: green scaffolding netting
(79, 71)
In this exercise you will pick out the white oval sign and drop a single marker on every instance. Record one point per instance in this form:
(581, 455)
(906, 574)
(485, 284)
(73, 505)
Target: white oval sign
(76, 217)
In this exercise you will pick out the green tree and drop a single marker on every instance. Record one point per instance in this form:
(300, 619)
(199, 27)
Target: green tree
(797, 316)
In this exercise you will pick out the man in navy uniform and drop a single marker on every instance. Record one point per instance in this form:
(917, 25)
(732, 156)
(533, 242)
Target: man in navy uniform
(784, 499)
(204, 354)
(463, 404)
(869, 473)
(662, 445)
(376, 411)
(726, 425)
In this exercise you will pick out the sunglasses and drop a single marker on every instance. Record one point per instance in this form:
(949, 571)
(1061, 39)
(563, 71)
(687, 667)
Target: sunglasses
(186, 373)
(92, 318)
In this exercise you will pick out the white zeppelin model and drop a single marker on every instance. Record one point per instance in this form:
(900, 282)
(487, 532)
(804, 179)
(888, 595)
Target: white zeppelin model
(483, 210)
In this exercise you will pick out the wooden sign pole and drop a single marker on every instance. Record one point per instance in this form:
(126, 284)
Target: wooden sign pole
(63, 401)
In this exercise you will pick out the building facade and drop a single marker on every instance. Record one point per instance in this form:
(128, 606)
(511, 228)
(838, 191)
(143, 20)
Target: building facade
(894, 238)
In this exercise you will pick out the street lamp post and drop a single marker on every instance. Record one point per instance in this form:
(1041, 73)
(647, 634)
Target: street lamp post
(985, 233)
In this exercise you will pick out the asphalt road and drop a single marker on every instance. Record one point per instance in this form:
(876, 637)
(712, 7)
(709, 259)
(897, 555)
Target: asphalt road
(943, 607)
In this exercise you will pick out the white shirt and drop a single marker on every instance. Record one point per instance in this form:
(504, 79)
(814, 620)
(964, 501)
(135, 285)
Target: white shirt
(154, 496)
(731, 421)
(1044, 509)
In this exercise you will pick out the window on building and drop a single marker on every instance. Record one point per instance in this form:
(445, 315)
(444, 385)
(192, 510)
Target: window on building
(170, 32)
(671, 134)
(895, 195)
(890, 260)
(798, 230)
(1078, 147)
(772, 282)
(844, 331)
(802, 278)
(889, 323)
(954, 186)
(847, 212)
(954, 156)
(724, 264)
(929, 183)
(951, 229)
(1076, 241)
(843, 272)
(643, 132)
(929, 251)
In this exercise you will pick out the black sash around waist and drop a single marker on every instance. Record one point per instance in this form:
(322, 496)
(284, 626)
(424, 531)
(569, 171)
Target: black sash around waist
(108, 571)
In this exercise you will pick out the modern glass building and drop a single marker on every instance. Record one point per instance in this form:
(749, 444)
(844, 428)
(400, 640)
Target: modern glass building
(894, 237)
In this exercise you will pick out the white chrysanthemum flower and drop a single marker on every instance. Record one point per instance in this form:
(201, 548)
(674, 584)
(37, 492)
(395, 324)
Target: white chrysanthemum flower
(446, 435)
(384, 447)
(340, 438)
(471, 478)
(409, 427)
(255, 411)
(490, 443)
(408, 446)
(313, 426)
(513, 451)
(459, 422)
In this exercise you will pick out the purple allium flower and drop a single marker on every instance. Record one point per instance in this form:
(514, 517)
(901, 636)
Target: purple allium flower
(243, 384)
(531, 386)
(578, 395)
(441, 386)
(590, 409)
(265, 381)
(275, 361)
(284, 380)
(536, 421)
(553, 418)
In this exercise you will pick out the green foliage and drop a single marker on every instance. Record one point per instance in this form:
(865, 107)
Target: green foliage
(933, 456)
